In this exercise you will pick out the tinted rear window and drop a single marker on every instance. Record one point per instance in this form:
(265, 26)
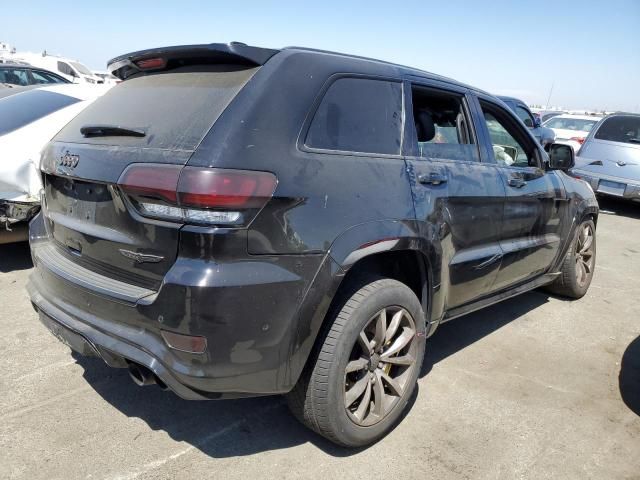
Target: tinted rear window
(21, 109)
(358, 115)
(620, 129)
(175, 109)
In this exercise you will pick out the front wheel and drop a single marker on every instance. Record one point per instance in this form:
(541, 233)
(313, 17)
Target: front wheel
(579, 263)
(366, 368)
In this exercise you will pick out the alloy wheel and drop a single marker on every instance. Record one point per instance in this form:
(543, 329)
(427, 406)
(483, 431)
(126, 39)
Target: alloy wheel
(584, 254)
(380, 365)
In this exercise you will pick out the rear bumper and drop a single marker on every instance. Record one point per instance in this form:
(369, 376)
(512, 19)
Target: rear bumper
(90, 341)
(631, 189)
(247, 309)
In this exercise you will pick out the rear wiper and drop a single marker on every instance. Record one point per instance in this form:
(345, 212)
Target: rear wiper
(111, 131)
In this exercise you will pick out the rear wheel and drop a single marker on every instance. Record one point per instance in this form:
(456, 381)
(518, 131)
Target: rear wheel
(579, 263)
(366, 368)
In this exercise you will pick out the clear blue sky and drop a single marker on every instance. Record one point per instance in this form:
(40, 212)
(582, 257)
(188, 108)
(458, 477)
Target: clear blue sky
(589, 49)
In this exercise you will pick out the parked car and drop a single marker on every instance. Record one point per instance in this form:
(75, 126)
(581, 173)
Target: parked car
(107, 78)
(72, 70)
(293, 226)
(29, 117)
(572, 129)
(23, 75)
(544, 135)
(545, 115)
(609, 158)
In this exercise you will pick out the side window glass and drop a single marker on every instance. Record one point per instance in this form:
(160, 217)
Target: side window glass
(508, 149)
(441, 126)
(359, 115)
(524, 116)
(41, 77)
(66, 69)
(15, 76)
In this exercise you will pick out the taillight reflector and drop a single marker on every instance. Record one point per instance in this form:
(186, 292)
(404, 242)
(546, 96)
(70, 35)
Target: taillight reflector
(580, 140)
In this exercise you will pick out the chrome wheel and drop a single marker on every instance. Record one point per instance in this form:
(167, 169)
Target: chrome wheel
(584, 254)
(380, 365)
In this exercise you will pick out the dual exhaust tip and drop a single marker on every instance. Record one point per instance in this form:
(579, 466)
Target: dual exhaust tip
(143, 377)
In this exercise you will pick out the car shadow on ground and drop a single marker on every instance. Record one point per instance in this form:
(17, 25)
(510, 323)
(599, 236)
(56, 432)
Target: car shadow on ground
(229, 428)
(15, 256)
(453, 336)
(623, 208)
(629, 378)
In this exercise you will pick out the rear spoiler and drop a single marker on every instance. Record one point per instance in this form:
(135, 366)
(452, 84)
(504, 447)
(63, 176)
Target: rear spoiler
(170, 57)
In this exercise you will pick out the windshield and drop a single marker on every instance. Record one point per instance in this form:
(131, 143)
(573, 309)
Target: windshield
(81, 68)
(19, 110)
(620, 129)
(566, 123)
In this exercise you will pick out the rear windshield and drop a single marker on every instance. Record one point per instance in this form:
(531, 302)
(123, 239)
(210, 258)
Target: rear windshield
(174, 109)
(566, 123)
(620, 129)
(21, 109)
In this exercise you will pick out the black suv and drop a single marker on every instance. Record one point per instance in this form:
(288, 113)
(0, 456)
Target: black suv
(234, 221)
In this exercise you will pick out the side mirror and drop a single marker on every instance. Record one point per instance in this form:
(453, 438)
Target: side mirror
(561, 157)
(537, 122)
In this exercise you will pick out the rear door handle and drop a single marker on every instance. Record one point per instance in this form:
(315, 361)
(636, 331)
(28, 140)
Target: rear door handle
(517, 182)
(433, 178)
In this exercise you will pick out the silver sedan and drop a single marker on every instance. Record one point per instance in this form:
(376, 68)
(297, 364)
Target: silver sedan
(609, 159)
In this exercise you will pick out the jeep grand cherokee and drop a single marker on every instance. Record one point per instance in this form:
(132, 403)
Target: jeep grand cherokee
(242, 221)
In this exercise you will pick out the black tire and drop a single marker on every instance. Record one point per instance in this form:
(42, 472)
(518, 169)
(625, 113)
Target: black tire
(568, 284)
(318, 399)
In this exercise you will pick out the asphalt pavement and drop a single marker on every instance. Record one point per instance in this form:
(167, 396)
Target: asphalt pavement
(535, 387)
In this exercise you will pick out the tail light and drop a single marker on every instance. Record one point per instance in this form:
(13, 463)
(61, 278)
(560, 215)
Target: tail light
(209, 196)
(580, 140)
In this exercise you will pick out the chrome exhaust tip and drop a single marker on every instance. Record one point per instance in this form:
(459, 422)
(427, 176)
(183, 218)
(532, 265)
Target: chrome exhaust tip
(141, 376)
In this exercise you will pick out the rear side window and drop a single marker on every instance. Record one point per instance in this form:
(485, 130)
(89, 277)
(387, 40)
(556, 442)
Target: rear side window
(45, 77)
(359, 115)
(175, 110)
(19, 110)
(441, 126)
(620, 129)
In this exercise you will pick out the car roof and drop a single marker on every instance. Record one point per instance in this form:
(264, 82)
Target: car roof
(623, 114)
(17, 65)
(579, 117)
(250, 55)
(406, 70)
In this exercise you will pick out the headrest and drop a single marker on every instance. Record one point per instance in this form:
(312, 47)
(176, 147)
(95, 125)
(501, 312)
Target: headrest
(424, 126)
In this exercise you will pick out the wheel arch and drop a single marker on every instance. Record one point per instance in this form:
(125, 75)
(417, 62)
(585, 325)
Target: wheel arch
(377, 249)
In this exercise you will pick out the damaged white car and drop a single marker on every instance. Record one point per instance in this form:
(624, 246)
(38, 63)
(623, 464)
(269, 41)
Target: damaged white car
(28, 120)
